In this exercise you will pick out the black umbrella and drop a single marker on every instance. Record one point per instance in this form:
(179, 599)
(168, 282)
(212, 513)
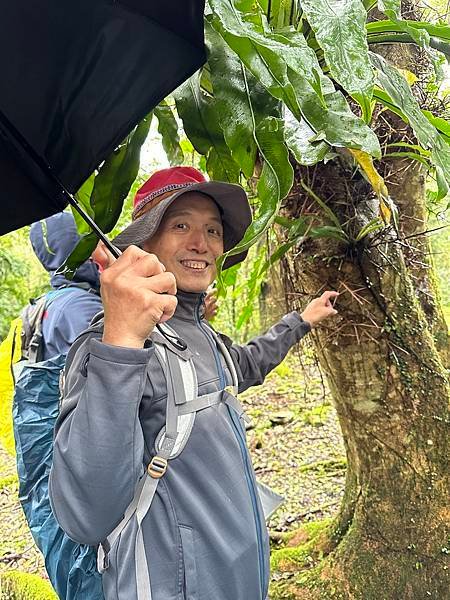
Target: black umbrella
(75, 78)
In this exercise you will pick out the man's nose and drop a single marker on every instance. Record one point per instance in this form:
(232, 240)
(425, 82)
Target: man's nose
(198, 241)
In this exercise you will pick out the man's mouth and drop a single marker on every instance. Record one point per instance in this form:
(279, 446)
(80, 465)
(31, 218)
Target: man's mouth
(197, 265)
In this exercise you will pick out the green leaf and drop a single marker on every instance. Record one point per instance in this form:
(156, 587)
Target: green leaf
(116, 176)
(201, 125)
(288, 68)
(414, 147)
(274, 182)
(233, 102)
(411, 155)
(391, 80)
(222, 167)
(373, 225)
(437, 31)
(298, 139)
(326, 209)
(328, 231)
(419, 35)
(392, 9)
(383, 98)
(441, 125)
(427, 35)
(339, 27)
(282, 13)
(109, 190)
(253, 286)
(168, 128)
(83, 196)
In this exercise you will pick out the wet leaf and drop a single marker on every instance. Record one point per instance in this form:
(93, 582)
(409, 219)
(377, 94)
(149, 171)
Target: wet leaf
(289, 69)
(300, 141)
(429, 137)
(201, 124)
(168, 128)
(339, 27)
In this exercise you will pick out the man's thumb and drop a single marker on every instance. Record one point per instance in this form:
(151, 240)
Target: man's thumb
(102, 257)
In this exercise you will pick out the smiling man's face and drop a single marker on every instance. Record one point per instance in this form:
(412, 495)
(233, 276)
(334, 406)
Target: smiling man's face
(188, 241)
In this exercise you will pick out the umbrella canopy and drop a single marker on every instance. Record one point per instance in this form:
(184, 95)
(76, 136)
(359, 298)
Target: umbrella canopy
(76, 77)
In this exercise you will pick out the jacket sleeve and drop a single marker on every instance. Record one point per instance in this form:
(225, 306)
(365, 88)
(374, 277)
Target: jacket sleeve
(98, 447)
(256, 359)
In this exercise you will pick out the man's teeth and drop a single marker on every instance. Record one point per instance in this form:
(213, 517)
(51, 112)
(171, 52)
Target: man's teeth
(197, 264)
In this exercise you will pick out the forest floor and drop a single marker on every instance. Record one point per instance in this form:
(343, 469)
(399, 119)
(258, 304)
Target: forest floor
(295, 443)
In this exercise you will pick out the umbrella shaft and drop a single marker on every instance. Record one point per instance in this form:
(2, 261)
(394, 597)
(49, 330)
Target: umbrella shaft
(92, 224)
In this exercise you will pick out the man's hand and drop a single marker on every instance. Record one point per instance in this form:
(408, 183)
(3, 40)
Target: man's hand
(211, 306)
(137, 293)
(320, 308)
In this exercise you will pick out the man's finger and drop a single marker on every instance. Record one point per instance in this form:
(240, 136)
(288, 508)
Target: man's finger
(163, 283)
(129, 257)
(168, 306)
(329, 295)
(147, 265)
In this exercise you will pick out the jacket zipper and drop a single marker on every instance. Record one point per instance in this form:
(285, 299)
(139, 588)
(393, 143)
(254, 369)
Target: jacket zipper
(242, 445)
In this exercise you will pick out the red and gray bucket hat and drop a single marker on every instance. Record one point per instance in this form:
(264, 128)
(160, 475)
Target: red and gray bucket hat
(165, 186)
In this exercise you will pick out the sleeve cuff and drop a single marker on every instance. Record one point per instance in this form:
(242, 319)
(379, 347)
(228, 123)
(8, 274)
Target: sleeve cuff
(120, 354)
(293, 320)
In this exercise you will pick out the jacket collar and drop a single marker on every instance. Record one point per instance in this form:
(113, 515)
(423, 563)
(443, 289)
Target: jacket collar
(190, 306)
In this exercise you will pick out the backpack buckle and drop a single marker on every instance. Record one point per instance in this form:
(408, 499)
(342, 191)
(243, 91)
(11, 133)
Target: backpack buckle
(157, 467)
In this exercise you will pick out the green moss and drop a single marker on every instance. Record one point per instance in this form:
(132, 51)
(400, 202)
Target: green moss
(308, 585)
(7, 481)
(316, 416)
(284, 370)
(306, 554)
(446, 311)
(16, 585)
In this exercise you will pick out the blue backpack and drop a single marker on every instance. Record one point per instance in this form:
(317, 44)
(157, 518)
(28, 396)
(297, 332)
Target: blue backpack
(71, 567)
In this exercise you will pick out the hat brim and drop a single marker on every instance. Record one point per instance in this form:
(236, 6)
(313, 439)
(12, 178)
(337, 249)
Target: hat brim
(230, 198)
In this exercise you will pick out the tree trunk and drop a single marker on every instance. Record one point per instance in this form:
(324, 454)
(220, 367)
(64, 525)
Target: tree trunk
(407, 181)
(391, 395)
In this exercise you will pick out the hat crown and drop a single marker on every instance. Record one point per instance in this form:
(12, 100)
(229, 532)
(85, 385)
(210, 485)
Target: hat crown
(164, 181)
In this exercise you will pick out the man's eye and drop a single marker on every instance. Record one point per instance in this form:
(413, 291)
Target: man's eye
(215, 232)
(180, 225)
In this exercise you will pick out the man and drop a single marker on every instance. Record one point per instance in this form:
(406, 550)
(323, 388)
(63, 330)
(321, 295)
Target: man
(203, 536)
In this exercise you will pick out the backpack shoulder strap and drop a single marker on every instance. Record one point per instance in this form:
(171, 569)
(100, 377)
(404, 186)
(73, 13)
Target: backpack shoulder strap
(181, 387)
(32, 317)
(227, 356)
(31, 336)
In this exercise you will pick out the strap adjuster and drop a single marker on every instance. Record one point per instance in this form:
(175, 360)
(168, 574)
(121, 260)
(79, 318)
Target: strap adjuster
(157, 467)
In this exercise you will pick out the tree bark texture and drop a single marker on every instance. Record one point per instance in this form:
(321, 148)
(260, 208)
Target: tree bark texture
(389, 541)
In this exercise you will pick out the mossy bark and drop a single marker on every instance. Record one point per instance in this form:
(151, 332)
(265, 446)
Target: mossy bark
(389, 541)
(407, 182)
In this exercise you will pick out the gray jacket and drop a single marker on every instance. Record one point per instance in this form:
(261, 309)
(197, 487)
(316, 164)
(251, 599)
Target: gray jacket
(205, 536)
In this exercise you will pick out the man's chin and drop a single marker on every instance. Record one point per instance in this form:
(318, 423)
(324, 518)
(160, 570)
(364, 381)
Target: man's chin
(194, 283)
(193, 288)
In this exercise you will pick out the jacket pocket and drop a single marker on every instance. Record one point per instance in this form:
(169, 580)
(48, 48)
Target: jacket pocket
(190, 569)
